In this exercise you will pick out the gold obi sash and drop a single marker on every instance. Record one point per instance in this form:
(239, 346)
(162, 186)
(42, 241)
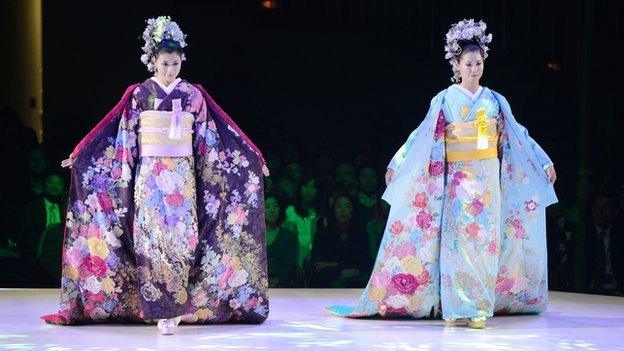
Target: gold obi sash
(165, 133)
(471, 140)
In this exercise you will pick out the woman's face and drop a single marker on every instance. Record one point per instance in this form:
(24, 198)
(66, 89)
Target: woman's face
(343, 209)
(308, 191)
(271, 210)
(294, 171)
(368, 179)
(470, 67)
(286, 187)
(54, 186)
(345, 174)
(168, 65)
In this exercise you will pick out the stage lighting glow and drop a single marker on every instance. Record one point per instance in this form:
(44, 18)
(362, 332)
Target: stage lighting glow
(553, 66)
(270, 4)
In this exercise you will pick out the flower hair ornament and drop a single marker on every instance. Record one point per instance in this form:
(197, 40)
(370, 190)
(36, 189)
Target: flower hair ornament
(466, 31)
(160, 29)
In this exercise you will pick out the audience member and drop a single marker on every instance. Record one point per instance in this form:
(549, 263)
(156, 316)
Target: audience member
(604, 259)
(558, 235)
(282, 246)
(339, 253)
(40, 214)
(305, 213)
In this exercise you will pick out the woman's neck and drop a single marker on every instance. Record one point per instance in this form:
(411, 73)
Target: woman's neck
(307, 208)
(163, 82)
(271, 225)
(471, 86)
(343, 225)
(305, 205)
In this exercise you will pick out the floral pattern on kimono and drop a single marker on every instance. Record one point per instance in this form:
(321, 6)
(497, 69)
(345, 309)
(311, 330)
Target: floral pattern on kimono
(101, 267)
(408, 278)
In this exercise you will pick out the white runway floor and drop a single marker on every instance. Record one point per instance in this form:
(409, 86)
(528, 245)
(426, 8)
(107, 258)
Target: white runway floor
(297, 321)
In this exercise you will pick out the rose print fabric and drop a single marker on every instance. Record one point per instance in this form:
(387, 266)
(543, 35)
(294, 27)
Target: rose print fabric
(466, 238)
(158, 237)
(471, 220)
(165, 233)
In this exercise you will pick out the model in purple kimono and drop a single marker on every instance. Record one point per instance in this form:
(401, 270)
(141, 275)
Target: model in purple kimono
(166, 210)
(466, 233)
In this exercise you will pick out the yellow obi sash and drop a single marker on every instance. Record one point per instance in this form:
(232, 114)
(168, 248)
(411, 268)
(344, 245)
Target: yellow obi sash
(471, 140)
(165, 133)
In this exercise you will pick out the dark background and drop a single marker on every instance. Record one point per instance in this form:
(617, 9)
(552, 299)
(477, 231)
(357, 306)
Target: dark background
(326, 73)
(348, 78)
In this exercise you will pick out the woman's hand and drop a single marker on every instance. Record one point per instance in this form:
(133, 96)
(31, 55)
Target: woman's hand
(265, 171)
(68, 162)
(389, 175)
(552, 175)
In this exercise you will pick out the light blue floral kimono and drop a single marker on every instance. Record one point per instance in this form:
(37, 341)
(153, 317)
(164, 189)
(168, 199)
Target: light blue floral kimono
(463, 238)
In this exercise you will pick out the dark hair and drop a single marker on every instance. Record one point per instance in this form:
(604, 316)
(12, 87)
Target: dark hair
(281, 215)
(354, 224)
(470, 46)
(168, 46)
(606, 193)
(338, 194)
(281, 195)
(316, 203)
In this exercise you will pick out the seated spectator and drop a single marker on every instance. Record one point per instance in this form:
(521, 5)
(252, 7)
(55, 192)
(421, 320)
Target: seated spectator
(294, 171)
(559, 233)
(274, 162)
(375, 228)
(305, 214)
(370, 208)
(605, 248)
(339, 253)
(49, 255)
(282, 246)
(38, 164)
(286, 191)
(345, 178)
(368, 196)
(269, 185)
(40, 214)
(324, 171)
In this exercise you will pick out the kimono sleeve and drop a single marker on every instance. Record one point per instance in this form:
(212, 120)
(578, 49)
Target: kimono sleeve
(206, 136)
(541, 155)
(401, 154)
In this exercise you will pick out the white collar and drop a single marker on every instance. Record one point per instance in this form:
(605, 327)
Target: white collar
(605, 231)
(167, 88)
(468, 93)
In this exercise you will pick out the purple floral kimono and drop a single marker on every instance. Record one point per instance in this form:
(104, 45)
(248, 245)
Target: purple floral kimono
(159, 237)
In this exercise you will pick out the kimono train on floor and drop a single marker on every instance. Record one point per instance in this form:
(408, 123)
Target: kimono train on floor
(465, 236)
(166, 215)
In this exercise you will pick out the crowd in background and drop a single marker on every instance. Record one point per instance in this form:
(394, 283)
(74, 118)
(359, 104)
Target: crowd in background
(324, 215)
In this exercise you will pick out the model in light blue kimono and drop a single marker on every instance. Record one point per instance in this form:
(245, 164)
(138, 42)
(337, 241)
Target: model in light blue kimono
(466, 234)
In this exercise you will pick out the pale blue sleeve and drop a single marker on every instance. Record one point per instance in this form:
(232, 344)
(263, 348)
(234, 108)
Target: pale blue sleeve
(541, 155)
(400, 155)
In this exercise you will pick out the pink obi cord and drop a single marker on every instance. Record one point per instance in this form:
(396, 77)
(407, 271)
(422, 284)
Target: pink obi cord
(175, 130)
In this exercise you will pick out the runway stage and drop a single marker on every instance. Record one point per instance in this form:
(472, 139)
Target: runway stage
(298, 321)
